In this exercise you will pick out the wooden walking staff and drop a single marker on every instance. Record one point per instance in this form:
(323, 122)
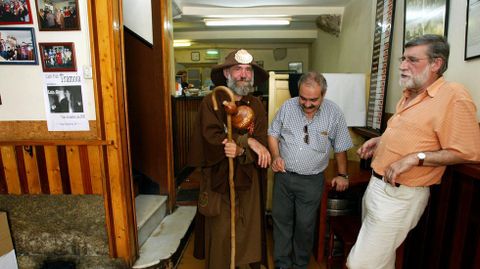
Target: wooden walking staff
(243, 116)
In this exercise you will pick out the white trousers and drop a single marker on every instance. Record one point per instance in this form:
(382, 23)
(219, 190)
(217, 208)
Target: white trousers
(388, 214)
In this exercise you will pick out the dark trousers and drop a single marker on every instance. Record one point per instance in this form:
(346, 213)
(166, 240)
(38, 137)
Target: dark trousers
(294, 211)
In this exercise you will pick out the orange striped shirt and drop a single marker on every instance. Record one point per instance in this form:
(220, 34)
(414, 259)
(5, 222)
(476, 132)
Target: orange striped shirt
(442, 117)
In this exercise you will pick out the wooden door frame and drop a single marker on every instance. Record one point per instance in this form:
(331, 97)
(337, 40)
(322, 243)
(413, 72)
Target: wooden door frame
(108, 62)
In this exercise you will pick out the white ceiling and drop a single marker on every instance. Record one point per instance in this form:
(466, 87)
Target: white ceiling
(189, 24)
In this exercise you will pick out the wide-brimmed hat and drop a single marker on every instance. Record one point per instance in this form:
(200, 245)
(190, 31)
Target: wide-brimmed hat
(239, 56)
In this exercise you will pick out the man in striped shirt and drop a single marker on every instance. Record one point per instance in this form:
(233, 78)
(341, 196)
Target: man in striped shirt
(434, 125)
(300, 139)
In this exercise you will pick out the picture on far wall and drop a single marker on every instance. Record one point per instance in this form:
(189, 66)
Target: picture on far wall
(472, 30)
(57, 15)
(17, 46)
(425, 17)
(15, 12)
(57, 57)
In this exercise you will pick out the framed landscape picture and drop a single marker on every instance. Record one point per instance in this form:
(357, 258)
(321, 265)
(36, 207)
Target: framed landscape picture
(425, 17)
(58, 57)
(15, 12)
(57, 15)
(17, 46)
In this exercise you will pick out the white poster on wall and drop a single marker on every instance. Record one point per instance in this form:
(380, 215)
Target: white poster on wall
(64, 102)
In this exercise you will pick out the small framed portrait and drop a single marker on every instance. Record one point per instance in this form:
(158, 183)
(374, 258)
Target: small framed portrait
(57, 15)
(17, 46)
(195, 56)
(15, 12)
(58, 57)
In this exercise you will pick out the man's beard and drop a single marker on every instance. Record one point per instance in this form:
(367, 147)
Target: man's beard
(416, 82)
(238, 89)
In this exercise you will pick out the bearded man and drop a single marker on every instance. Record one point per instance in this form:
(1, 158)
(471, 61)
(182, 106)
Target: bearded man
(434, 125)
(210, 150)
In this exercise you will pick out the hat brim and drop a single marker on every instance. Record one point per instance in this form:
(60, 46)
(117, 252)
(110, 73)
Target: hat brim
(260, 75)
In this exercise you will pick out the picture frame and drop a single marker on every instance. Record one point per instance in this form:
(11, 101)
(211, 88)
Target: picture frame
(381, 54)
(418, 23)
(195, 56)
(296, 66)
(58, 57)
(17, 46)
(472, 30)
(21, 12)
(58, 15)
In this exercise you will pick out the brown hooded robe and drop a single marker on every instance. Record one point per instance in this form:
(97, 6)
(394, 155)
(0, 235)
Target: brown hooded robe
(212, 234)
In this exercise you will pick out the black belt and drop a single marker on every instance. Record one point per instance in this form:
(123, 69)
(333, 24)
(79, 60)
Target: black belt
(377, 175)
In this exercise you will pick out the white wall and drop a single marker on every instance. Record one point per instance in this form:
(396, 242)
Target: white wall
(21, 86)
(459, 70)
(352, 51)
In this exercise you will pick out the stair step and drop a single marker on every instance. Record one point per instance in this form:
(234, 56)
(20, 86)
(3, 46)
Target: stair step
(150, 211)
(166, 238)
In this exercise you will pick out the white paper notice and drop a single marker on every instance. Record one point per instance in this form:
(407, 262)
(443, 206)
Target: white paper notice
(64, 103)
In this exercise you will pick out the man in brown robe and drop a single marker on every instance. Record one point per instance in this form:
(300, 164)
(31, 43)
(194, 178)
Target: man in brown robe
(210, 151)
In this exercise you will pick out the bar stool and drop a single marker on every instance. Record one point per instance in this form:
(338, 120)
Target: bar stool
(346, 228)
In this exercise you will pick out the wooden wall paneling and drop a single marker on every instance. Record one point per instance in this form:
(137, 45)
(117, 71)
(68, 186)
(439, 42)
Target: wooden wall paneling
(462, 221)
(107, 53)
(10, 170)
(74, 169)
(38, 130)
(42, 169)
(85, 170)
(96, 169)
(64, 171)
(3, 179)
(22, 173)
(32, 170)
(163, 41)
(53, 170)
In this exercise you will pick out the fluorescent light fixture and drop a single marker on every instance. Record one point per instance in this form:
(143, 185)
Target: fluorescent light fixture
(181, 43)
(246, 21)
(212, 52)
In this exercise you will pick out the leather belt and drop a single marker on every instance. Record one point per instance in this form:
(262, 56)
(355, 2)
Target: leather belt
(380, 177)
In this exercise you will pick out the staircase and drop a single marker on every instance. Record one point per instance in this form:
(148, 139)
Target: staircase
(160, 235)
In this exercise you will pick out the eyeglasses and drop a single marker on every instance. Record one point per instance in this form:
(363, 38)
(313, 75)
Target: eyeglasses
(411, 60)
(305, 138)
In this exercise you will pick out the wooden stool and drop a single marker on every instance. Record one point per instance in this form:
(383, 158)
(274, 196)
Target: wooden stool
(346, 228)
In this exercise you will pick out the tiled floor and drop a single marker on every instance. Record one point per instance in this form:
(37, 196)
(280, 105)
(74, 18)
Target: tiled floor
(190, 262)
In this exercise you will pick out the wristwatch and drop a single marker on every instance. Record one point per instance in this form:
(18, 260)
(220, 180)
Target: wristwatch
(345, 176)
(421, 157)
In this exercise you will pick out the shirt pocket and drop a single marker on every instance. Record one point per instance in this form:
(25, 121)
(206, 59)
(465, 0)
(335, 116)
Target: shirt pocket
(319, 141)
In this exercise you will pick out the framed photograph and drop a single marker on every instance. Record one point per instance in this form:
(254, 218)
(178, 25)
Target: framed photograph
(58, 57)
(57, 15)
(472, 31)
(15, 12)
(425, 17)
(17, 46)
(195, 56)
(296, 66)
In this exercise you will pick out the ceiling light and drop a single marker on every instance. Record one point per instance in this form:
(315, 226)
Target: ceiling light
(181, 43)
(212, 52)
(246, 22)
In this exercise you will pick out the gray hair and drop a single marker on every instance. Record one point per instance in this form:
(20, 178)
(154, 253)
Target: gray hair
(438, 47)
(311, 78)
